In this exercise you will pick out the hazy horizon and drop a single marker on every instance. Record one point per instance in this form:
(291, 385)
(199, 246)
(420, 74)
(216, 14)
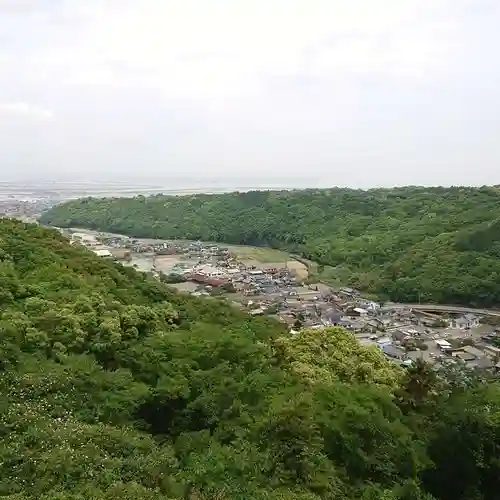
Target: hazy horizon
(200, 185)
(298, 93)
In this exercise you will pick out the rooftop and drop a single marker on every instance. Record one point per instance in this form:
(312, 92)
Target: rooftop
(474, 351)
(102, 252)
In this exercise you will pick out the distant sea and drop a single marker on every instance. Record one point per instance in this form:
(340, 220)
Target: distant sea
(66, 189)
(173, 183)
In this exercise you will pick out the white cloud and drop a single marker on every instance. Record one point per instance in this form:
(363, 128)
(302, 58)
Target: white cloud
(199, 50)
(25, 110)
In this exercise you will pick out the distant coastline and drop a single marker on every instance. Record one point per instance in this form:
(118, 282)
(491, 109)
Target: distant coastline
(66, 191)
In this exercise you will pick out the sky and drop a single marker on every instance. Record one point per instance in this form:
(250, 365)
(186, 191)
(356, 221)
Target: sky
(300, 93)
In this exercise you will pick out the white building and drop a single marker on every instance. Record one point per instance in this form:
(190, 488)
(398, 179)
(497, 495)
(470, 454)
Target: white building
(102, 252)
(466, 321)
(211, 271)
(360, 311)
(444, 345)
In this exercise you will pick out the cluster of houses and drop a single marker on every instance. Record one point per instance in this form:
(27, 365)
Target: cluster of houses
(406, 335)
(248, 282)
(24, 208)
(99, 247)
(403, 335)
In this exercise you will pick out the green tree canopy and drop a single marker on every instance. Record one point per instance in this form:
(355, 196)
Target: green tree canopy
(114, 386)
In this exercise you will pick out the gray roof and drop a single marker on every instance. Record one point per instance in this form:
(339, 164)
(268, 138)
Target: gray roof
(333, 315)
(393, 352)
(470, 316)
(465, 356)
(483, 363)
(474, 351)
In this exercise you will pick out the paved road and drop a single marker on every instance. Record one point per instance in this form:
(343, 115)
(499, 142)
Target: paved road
(443, 308)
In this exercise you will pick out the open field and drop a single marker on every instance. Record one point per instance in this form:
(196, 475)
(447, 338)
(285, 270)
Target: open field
(263, 255)
(268, 257)
(299, 268)
(166, 262)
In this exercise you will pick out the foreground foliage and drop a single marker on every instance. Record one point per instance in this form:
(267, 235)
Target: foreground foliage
(407, 244)
(112, 386)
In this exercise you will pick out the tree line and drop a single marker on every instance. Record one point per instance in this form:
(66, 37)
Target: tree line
(114, 386)
(404, 244)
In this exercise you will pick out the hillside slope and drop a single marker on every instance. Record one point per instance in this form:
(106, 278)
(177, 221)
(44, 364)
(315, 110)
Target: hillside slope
(112, 386)
(406, 244)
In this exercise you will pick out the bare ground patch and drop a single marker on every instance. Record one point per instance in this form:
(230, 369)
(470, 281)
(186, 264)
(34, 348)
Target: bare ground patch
(299, 269)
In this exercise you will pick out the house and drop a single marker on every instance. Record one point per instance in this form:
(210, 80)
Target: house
(256, 272)
(360, 311)
(464, 356)
(331, 317)
(443, 345)
(209, 270)
(492, 350)
(206, 280)
(354, 326)
(428, 321)
(374, 324)
(372, 306)
(474, 351)
(475, 358)
(481, 363)
(393, 352)
(356, 312)
(350, 292)
(384, 341)
(102, 252)
(270, 269)
(386, 323)
(466, 321)
(399, 335)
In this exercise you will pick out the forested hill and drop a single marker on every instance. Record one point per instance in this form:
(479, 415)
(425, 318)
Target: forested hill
(407, 244)
(112, 386)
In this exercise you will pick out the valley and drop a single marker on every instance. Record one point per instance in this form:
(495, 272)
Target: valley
(265, 282)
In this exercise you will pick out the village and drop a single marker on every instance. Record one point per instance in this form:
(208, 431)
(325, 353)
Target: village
(285, 291)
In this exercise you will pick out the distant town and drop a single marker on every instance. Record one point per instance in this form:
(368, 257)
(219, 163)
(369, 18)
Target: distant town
(26, 201)
(283, 290)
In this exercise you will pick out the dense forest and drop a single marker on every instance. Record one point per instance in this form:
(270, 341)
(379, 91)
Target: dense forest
(114, 386)
(404, 244)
